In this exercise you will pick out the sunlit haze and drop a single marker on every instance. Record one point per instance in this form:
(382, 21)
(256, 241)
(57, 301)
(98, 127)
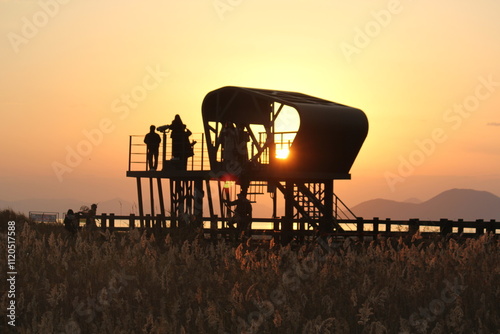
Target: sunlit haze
(78, 77)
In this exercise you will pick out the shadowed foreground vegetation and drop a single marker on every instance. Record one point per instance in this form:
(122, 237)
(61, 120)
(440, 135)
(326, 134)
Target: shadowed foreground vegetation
(152, 283)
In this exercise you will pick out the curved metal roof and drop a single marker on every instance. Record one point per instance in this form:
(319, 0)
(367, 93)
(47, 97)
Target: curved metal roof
(329, 137)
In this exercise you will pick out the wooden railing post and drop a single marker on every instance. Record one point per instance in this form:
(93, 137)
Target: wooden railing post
(460, 227)
(213, 227)
(491, 226)
(131, 221)
(445, 227)
(480, 226)
(276, 225)
(158, 221)
(103, 221)
(173, 220)
(413, 226)
(388, 226)
(360, 227)
(111, 222)
(276, 230)
(148, 221)
(286, 230)
(375, 227)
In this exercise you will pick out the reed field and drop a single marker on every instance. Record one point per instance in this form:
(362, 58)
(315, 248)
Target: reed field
(144, 282)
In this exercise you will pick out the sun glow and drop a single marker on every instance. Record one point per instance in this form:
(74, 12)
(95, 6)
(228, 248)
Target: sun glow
(282, 153)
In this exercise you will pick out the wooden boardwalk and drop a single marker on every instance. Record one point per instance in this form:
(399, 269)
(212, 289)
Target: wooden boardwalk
(362, 228)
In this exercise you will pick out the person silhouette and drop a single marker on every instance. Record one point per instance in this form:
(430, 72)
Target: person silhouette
(242, 214)
(89, 215)
(90, 220)
(182, 149)
(243, 140)
(70, 222)
(152, 140)
(229, 137)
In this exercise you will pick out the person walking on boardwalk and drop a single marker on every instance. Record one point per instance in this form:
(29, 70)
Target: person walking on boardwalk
(89, 215)
(242, 214)
(152, 140)
(70, 222)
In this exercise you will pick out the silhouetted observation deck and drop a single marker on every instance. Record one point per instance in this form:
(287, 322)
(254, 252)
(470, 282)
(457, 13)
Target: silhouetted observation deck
(325, 145)
(247, 149)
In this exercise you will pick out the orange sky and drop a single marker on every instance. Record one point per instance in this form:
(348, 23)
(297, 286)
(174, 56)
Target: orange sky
(426, 73)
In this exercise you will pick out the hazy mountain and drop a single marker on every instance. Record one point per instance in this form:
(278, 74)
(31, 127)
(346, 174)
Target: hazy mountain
(117, 206)
(452, 204)
(413, 200)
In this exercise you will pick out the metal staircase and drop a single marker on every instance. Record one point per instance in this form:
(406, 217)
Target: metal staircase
(310, 207)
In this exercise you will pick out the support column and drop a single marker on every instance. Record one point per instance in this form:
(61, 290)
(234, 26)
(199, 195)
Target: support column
(198, 200)
(326, 224)
(287, 224)
(173, 199)
(139, 200)
(222, 198)
(151, 196)
(210, 202)
(162, 204)
(271, 188)
(213, 217)
(164, 152)
(188, 197)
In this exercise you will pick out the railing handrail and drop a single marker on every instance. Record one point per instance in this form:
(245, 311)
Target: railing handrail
(446, 227)
(199, 161)
(374, 220)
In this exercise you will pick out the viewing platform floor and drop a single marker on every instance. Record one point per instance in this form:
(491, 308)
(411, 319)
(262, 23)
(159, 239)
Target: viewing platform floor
(172, 174)
(266, 174)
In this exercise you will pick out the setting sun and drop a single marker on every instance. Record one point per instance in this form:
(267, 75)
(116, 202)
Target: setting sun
(282, 153)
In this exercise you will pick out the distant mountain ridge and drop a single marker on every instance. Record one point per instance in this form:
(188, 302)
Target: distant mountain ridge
(453, 204)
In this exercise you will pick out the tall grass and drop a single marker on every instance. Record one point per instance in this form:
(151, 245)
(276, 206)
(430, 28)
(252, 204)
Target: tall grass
(145, 283)
(7, 215)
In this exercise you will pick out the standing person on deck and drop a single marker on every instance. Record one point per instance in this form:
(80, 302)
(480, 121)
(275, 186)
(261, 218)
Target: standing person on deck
(229, 138)
(152, 140)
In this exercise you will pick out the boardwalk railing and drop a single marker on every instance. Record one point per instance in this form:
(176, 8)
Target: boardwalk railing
(443, 226)
(364, 227)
